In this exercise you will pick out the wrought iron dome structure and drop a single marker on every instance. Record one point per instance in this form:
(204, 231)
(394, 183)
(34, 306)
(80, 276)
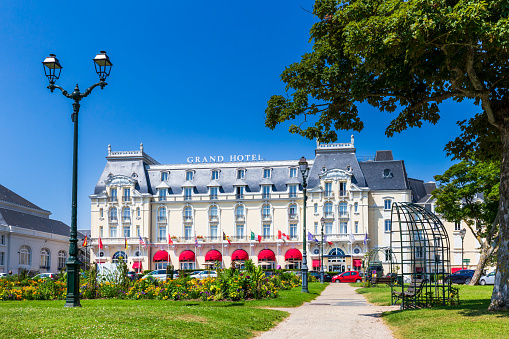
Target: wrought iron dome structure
(420, 253)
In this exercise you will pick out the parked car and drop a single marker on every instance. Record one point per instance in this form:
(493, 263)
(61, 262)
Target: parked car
(45, 276)
(204, 274)
(269, 273)
(158, 274)
(132, 275)
(348, 276)
(326, 277)
(3, 275)
(461, 277)
(488, 279)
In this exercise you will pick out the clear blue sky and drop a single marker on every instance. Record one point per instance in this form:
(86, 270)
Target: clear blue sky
(189, 79)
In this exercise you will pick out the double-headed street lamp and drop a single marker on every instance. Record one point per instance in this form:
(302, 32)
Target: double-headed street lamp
(322, 221)
(52, 69)
(463, 232)
(304, 170)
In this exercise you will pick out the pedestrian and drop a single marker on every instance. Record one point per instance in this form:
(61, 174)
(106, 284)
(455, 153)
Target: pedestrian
(10, 272)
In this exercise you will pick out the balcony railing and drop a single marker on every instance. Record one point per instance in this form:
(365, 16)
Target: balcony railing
(126, 199)
(212, 238)
(343, 214)
(228, 197)
(161, 219)
(188, 218)
(131, 241)
(213, 218)
(239, 196)
(112, 220)
(292, 216)
(162, 239)
(161, 198)
(126, 220)
(342, 193)
(112, 199)
(266, 217)
(213, 197)
(329, 215)
(329, 194)
(239, 217)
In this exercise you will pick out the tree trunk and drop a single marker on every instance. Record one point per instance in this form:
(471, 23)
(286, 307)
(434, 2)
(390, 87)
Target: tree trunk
(500, 296)
(486, 251)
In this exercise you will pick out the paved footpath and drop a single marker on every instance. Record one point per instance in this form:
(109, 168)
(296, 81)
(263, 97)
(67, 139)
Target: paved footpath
(338, 312)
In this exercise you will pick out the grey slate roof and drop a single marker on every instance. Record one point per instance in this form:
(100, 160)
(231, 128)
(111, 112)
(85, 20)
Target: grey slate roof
(9, 196)
(374, 174)
(32, 222)
(383, 156)
(335, 159)
(126, 168)
(418, 189)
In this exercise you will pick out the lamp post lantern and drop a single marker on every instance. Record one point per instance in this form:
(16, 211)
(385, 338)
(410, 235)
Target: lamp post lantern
(304, 170)
(322, 221)
(463, 232)
(52, 69)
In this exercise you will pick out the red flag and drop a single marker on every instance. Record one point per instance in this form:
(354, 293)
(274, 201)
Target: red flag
(259, 238)
(229, 242)
(287, 237)
(100, 243)
(170, 242)
(279, 234)
(329, 242)
(85, 243)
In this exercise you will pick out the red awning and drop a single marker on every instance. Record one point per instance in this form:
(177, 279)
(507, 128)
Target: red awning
(137, 265)
(316, 263)
(357, 263)
(293, 254)
(266, 255)
(213, 255)
(161, 255)
(187, 255)
(240, 255)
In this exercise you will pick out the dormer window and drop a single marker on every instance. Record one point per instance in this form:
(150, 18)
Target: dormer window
(293, 191)
(215, 175)
(241, 173)
(127, 195)
(164, 176)
(265, 191)
(328, 189)
(189, 175)
(187, 193)
(342, 189)
(113, 194)
(266, 173)
(293, 172)
(213, 193)
(387, 174)
(162, 194)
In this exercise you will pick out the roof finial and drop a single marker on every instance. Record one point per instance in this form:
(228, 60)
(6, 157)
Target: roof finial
(351, 140)
(141, 147)
(109, 149)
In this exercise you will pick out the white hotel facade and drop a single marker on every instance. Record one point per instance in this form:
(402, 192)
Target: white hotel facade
(197, 202)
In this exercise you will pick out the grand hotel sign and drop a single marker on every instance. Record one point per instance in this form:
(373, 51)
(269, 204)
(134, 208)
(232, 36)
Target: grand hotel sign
(220, 158)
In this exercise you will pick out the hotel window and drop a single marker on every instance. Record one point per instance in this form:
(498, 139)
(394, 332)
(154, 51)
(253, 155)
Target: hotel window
(127, 231)
(356, 227)
(213, 193)
(127, 194)
(138, 230)
(164, 176)
(293, 191)
(241, 173)
(342, 189)
(266, 212)
(113, 231)
(187, 193)
(327, 210)
(457, 225)
(266, 173)
(101, 233)
(239, 211)
(293, 231)
(2, 239)
(62, 258)
(239, 192)
(161, 235)
(387, 204)
(315, 207)
(189, 175)
(265, 191)
(188, 213)
(213, 232)
(113, 194)
(126, 215)
(292, 211)
(387, 225)
(266, 231)
(328, 189)
(188, 232)
(356, 207)
(293, 172)
(25, 255)
(138, 213)
(343, 210)
(2, 258)
(240, 230)
(343, 227)
(45, 258)
(328, 228)
(213, 214)
(215, 175)
(316, 228)
(101, 213)
(162, 194)
(113, 214)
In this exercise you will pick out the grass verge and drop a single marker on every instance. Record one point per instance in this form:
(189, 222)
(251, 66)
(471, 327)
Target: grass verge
(469, 319)
(112, 318)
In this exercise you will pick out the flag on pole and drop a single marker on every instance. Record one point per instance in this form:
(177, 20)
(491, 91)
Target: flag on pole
(310, 236)
(142, 243)
(170, 242)
(259, 238)
(352, 238)
(279, 234)
(287, 237)
(252, 235)
(329, 242)
(85, 243)
(195, 241)
(226, 238)
(366, 239)
(126, 246)
(316, 240)
(100, 243)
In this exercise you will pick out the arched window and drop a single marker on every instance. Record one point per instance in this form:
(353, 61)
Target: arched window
(161, 216)
(62, 258)
(266, 211)
(213, 211)
(188, 213)
(45, 258)
(25, 255)
(387, 174)
(336, 255)
(126, 215)
(239, 210)
(292, 210)
(113, 214)
(343, 212)
(119, 255)
(327, 210)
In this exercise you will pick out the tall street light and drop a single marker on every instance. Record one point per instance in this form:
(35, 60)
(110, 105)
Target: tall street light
(304, 170)
(322, 221)
(52, 69)
(462, 234)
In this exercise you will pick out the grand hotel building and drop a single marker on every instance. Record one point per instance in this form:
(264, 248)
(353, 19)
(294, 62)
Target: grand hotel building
(179, 212)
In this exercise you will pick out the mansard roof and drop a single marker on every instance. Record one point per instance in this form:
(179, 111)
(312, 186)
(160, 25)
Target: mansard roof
(378, 179)
(32, 222)
(9, 196)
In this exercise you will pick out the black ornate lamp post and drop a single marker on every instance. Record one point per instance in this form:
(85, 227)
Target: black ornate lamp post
(463, 232)
(304, 169)
(52, 69)
(322, 221)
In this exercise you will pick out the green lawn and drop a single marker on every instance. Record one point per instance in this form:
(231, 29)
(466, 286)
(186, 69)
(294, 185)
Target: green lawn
(110, 318)
(470, 319)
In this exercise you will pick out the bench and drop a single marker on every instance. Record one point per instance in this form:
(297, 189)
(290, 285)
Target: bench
(413, 290)
(382, 280)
